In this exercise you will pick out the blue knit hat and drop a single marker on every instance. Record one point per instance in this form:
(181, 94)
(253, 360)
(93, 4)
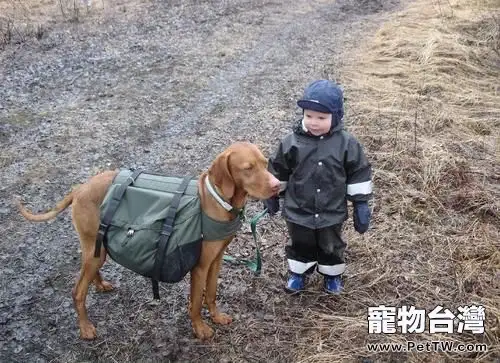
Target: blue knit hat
(324, 96)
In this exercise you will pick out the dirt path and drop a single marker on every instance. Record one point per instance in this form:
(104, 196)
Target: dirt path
(164, 86)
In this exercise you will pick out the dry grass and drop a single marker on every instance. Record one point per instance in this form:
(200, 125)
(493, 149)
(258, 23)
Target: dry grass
(17, 23)
(22, 21)
(424, 98)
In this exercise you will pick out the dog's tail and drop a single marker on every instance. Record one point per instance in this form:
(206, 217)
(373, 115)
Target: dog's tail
(62, 205)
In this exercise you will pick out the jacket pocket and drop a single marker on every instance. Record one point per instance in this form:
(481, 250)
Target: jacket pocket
(301, 197)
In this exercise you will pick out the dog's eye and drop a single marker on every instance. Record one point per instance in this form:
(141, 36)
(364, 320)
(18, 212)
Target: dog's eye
(248, 167)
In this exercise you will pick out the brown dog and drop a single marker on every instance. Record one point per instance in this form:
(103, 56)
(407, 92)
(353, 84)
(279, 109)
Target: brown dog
(238, 172)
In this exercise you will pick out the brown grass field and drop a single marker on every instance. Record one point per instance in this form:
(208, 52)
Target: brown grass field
(425, 96)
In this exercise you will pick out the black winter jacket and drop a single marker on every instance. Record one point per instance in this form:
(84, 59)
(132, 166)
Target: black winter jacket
(322, 173)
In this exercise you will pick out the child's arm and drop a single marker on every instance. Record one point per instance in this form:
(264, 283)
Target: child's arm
(278, 166)
(359, 173)
(359, 184)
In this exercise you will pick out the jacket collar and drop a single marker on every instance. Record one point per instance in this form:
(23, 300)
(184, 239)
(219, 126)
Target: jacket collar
(302, 130)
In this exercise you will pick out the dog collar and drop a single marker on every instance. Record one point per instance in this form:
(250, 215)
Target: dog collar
(217, 197)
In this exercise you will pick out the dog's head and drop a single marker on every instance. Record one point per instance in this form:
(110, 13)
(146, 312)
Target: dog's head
(243, 168)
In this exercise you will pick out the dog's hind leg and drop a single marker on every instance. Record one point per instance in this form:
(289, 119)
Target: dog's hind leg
(88, 273)
(86, 222)
(100, 284)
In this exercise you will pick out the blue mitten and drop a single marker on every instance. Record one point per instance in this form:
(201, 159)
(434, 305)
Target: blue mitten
(361, 216)
(272, 205)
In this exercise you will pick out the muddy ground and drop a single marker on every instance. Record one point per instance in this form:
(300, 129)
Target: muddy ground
(164, 86)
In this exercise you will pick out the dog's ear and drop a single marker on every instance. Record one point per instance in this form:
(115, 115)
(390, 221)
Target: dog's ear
(222, 174)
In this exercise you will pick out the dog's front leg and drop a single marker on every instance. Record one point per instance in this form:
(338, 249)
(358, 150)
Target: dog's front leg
(198, 282)
(211, 292)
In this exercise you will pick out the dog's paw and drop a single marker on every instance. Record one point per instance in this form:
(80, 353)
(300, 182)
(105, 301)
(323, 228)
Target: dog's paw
(221, 318)
(16, 200)
(203, 331)
(87, 331)
(103, 286)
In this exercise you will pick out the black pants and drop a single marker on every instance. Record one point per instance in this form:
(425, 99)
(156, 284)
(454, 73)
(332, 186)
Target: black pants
(308, 247)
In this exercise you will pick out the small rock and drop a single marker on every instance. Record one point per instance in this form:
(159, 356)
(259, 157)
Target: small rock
(4, 210)
(268, 317)
(47, 291)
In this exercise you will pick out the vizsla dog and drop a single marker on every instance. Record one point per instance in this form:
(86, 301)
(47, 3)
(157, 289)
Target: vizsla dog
(237, 173)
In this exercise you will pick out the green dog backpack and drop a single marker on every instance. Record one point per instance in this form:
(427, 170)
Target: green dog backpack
(152, 225)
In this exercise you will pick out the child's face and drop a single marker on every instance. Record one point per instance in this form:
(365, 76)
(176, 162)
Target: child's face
(318, 123)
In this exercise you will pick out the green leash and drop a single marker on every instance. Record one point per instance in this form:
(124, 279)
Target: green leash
(256, 264)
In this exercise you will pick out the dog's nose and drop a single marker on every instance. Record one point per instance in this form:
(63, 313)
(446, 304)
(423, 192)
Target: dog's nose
(275, 184)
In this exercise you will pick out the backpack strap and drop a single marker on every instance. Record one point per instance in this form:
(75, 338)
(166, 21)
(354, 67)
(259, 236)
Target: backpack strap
(156, 289)
(165, 235)
(111, 209)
